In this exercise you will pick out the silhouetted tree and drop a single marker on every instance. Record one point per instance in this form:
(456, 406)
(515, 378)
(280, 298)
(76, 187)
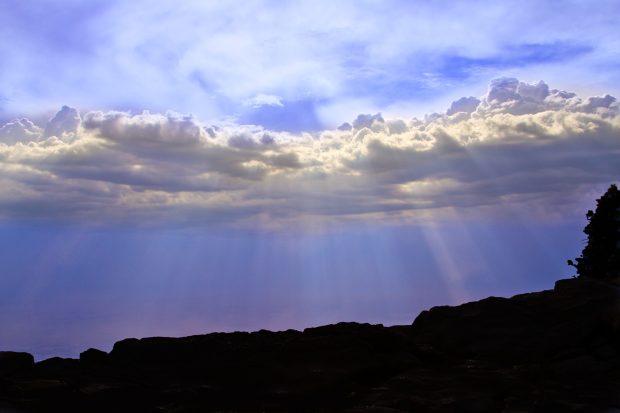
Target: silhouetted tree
(601, 256)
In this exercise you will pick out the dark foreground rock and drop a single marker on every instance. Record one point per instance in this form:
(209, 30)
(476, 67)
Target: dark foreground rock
(12, 362)
(551, 351)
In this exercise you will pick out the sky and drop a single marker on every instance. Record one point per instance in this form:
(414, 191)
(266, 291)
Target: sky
(176, 168)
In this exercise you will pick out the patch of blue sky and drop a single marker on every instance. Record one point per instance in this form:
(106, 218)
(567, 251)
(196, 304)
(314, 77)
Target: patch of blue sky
(292, 116)
(422, 76)
(55, 27)
(206, 58)
(461, 67)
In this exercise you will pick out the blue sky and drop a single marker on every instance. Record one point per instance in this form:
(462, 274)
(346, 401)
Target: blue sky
(329, 61)
(172, 168)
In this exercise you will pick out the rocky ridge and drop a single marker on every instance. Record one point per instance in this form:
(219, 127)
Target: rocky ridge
(548, 351)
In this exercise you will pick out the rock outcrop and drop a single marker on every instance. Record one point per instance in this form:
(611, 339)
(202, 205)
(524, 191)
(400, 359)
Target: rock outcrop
(556, 350)
(12, 362)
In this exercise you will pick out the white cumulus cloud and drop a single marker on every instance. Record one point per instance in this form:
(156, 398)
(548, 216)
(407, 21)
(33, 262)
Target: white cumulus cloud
(520, 144)
(264, 100)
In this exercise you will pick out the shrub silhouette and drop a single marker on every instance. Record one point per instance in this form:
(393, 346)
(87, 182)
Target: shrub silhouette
(601, 256)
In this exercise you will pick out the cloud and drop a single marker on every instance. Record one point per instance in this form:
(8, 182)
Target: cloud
(264, 100)
(66, 121)
(19, 130)
(465, 105)
(510, 96)
(520, 144)
(337, 54)
(367, 121)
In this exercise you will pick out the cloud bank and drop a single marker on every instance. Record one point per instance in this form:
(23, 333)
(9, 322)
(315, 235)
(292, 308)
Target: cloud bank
(520, 144)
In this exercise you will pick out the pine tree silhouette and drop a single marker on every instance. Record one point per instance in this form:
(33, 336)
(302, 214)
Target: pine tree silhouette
(601, 256)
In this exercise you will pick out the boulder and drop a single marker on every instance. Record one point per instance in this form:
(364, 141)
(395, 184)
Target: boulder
(12, 362)
(93, 356)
